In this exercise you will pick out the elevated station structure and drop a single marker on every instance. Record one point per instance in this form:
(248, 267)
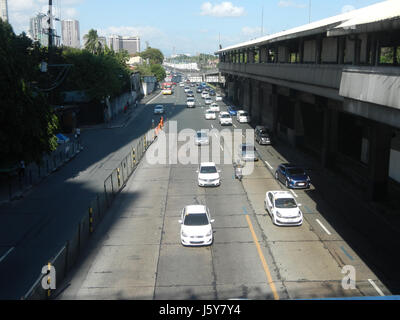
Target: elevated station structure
(331, 87)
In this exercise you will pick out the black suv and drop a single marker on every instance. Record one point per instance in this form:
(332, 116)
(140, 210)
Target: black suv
(263, 135)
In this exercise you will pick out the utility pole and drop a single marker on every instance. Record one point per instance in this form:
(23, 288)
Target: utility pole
(262, 21)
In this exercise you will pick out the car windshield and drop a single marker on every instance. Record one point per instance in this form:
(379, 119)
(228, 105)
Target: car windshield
(285, 203)
(201, 135)
(224, 115)
(198, 219)
(296, 171)
(208, 169)
(210, 112)
(190, 99)
(248, 148)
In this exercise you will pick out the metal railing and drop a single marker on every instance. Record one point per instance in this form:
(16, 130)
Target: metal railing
(64, 260)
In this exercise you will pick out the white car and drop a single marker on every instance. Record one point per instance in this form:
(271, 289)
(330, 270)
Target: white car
(208, 101)
(242, 116)
(210, 115)
(196, 229)
(218, 98)
(190, 102)
(159, 109)
(214, 107)
(205, 95)
(201, 138)
(187, 89)
(208, 175)
(181, 84)
(225, 118)
(283, 208)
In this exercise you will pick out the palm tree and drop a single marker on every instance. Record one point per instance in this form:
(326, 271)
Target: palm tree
(92, 42)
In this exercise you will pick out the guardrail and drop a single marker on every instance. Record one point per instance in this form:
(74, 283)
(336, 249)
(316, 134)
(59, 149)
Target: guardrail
(66, 257)
(35, 173)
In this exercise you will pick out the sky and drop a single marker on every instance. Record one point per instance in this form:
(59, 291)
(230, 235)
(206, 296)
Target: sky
(184, 26)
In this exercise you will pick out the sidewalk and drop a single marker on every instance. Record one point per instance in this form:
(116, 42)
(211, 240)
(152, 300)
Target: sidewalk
(16, 187)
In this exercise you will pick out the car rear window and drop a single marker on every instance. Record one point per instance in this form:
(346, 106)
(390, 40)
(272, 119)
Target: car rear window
(296, 171)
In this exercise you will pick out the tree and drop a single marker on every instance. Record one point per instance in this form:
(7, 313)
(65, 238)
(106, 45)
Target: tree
(27, 122)
(158, 71)
(155, 56)
(92, 42)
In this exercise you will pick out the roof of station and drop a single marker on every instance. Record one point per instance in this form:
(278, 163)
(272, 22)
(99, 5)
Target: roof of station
(349, 22)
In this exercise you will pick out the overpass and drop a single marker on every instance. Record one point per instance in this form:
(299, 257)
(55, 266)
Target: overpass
(209, 76)
(331, 87)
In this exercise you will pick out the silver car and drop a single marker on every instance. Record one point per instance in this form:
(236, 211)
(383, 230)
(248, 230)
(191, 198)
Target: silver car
(201, 138)
(247, 152)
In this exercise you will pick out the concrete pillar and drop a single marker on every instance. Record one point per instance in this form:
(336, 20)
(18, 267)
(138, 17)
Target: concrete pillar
(330, 138)
(341, 50)
(298, 124)
(381, 137)
(263, 55)
(250, 56)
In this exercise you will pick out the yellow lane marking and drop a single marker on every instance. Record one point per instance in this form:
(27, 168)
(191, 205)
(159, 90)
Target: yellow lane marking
(264, 263)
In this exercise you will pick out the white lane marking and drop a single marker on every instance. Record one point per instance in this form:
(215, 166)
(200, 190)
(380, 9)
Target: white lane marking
(376, 287)
(323, 227)
(294, 193)
(212, 126)
(222, 149)
(6, 254)
(234, 125)
(154, 98)
(269, 165)
(215, 135)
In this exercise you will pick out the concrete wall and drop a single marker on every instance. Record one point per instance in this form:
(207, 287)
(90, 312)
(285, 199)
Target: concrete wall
(377, 85)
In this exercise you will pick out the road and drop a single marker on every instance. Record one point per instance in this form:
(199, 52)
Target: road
(136, 252)
(33, 229)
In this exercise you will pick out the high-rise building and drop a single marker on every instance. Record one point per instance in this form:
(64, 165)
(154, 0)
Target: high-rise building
(115, 43)
(3, 10)
(38, 29)
(70, 33)
(131, 44)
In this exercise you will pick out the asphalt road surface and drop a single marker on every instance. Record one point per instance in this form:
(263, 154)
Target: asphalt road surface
(136, 252)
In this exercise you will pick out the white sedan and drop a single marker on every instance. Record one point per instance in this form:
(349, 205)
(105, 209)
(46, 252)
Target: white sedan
(190, 102)
(214, 107)
(283, 208)
(218, 98)
(210, 115)
(208, 101)
(225, 118)
(242, 116)
(196, 229)
(208, 175)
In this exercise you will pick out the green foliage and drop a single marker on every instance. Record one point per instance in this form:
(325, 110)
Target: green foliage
(92, 43)
(155, 56)
(101, 75)
(27, 122)
(158, 72)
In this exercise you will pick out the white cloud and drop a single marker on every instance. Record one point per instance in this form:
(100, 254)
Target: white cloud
(289, 3)
(348, 8)
(20, 11)
(225, 9)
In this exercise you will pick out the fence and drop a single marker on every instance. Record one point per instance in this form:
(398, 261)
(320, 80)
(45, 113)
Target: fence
(34, 173)
(64, 260)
